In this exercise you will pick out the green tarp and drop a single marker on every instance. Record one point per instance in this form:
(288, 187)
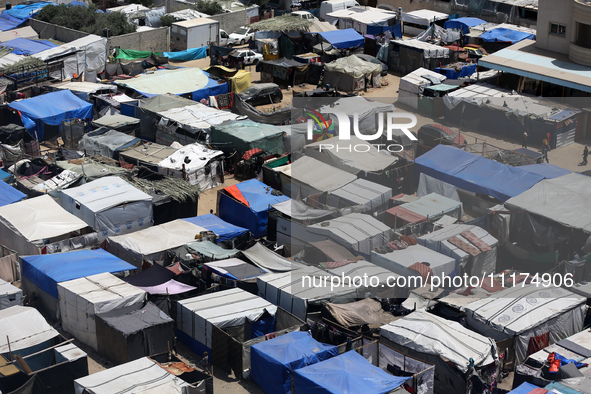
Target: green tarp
(244, 135)
(130, 54)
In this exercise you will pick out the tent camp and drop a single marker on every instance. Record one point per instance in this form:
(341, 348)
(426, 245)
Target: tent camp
(9, 295)
(225, 232)
(346, 372)
(80, 300)
(527, 315)
(475, 173)
(446, 344)
(43, 115)
(110, 206)
(413, 85)
(351, 73)
(9, 194)
(359, 232)
(427, 208)
(226, 323)
(244, 135)
(247, 205)
(274, 362)
(343, 39)
(106, 142)
(197, 164)
(42, 273)
(29, 226)
(152, 243)
(124, 336)
(473, 248)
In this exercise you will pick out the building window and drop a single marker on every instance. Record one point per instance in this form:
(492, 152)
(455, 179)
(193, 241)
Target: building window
(557, 30)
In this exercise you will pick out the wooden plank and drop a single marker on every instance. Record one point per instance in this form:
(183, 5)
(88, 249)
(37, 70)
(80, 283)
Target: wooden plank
(469, 235)
(471, 250)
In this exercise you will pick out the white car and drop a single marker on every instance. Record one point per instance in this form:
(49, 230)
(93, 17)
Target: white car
(305, 15)
(248, 56)
(241, 36)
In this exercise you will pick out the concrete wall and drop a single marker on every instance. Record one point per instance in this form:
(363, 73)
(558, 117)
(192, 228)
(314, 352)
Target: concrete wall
(231, 21)
(554, 11)
(155, 40)
(48, 30)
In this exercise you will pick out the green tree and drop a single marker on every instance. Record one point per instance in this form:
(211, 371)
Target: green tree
(167, 20)
(209, 7)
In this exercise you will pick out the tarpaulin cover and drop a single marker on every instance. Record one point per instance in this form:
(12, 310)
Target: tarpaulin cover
(19, 14)
(367, 311)
(213, 88)
(501, 34)
(300, 211)
(52, 109)
(106, 142)
(245, 135)
(475, 173)
(260, 198)
(342, 39)
(46, 271)
(25, 46)
(268, 260)
(25, 327)
(212, 251)
(348, 373)
(4, 175)
(224, 230)
(130, 54)
(548, 171)
(155, 275)
(169, 288)
(234, 269)
(463, 24)
(273, 362)
(179, 81)
(186, 55)
(526, 388)
(137, 320)
(9, 194)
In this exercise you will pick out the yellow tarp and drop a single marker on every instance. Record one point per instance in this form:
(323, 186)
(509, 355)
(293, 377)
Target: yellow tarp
(238, 80)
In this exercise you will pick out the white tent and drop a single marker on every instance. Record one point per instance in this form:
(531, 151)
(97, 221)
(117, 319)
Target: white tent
(195, 163)
(152, 243)
(398, 261)
(359, 232)
(26, 226)
(24, 327)
(307, 176)
(413, 85)
(525, 312)
(110, 206)
(368, 195)
(472, 247)
(9, 295)
(268, 260)
(81, 299)
(139, 376)
(87, 88)
(383, 287)
(442, 342)
(415, 22)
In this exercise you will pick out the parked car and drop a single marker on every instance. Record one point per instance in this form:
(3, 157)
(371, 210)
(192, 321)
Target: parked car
(475, 52)
(305, 15)
(262, 93)
(434, 134)
(374, 60)
(241, 36)
(248, 56)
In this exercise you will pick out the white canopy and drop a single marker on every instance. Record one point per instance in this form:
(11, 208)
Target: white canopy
(194, 161)
(423, 17)
(24, 327)
(362, 268)
(197, 117)
(361, 192)
(416, 81)
(268, 260)
(318, 175)
(399, 260)
(300, 211)
(9, 295)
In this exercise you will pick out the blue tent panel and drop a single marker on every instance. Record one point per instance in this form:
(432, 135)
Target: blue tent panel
(463, 24)
(377, 30)
(9, 194)
(186, 55)
(524, 388)
(273, 362)
(548, 171)
(213, 88)
(348, 373)
(4, 175)
(475, 173)
(343, 39)
(556, 387)
(47, 270)
(506, 35)
(52, 109)
(224, 230)
(19, 14)
(25, 46)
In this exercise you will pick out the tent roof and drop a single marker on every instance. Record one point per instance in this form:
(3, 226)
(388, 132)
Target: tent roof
(26, 46)
(170, 287)
(423, 17)
(282, 23)
(190, 158)
(102, 288)
(320, 176)
(247, 130)
(427, 333)
(224, 230)
(151, 153)
(155, 275)
(86, 87)
(345, 38)
(416, 254)
(40, 218)
(351, 228)
(564, 199)
(24, 327)
(258, 195)
(475, 173)
(352, 65)
(300, 211)
(106, 193)
(9, 194)
(501, 34)
(132, 322)
(432, 205)
(211, 250)
(292, 347)
(116, 120)
(463, 23)
(518, 309)
(348, 372)
(268, 260)
(164, 102)
(179, 81)
(197, 116)
(235, 269)
(367, 311)
(548, 171)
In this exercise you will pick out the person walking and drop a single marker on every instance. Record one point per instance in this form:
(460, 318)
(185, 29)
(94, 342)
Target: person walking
(548, 139)
(585, 154)
(525, 135)
(545, 154)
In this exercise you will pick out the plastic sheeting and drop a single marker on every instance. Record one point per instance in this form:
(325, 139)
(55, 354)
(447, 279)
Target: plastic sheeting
(25, 46)
(46, 271)
(186, 55)
(353, 66)
(245, 135)
(180, 81)
(24, 327)
(268, 260)
(19, 14)
(196, 117)
(214, 87)
(367, 311)
(196, 163)
(475, 173)
(310, 176)
(273, 362)
(9, 194)
(299, 211)
(52, 109)
(398, 261)
(463, 24)
(105, 142)
(423, 17)
(9, 295)
(349, 372)
(225, 231)
(234, 269)
(342, 39)
(548, 171)
(361, 193)
(500, 34)
(211, 251)
(170, 287)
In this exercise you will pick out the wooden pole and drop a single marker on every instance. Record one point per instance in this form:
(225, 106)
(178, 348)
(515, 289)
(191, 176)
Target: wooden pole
(9, 349)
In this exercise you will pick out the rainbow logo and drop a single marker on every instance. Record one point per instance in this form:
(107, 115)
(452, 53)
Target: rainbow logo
(322, 130)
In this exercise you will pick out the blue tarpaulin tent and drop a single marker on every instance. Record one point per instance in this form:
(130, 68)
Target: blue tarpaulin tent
(9, 194)
(4, 175)
(377, 30)
(19, 14)
(548, 171)
(525, 388)
(213, 88)
(186, 55)
(463, 24)
(273, 362)
(50, 109)
(348, 373)
(247, 204)
(342, 39)
(501, 34)
(475, 173)
(224, 230)
(47, 270)
(25, 46)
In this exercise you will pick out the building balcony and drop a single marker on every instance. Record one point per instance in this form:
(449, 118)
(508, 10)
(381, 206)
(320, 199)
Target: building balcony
(579, 54)
(582, 11)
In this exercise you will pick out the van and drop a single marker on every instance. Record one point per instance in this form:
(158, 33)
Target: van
(328, 6)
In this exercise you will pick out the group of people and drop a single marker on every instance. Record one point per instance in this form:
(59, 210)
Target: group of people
(546, 148)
